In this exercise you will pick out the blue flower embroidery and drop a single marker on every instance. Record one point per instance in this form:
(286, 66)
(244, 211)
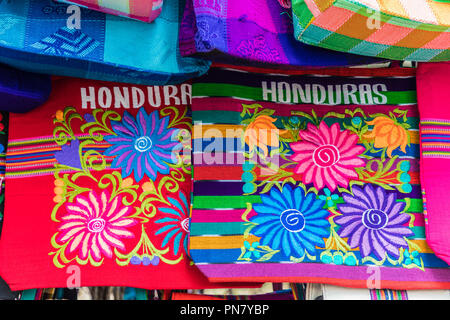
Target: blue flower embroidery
(143, 145)
(291, 221)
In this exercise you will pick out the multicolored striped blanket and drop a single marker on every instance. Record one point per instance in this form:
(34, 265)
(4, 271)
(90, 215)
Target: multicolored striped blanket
(311, 177)
(394, 29)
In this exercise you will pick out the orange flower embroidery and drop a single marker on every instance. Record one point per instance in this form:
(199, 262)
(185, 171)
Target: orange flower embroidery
(387, 134)
(262, 133)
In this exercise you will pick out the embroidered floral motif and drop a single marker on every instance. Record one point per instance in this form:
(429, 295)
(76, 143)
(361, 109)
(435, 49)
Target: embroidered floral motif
(291, 221)
(143, 145)
(327, 156)
(372, 220)
(387, 134)
(327, 160)
(94, 225)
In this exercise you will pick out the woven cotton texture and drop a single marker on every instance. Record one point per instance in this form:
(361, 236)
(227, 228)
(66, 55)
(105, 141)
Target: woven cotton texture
(416, 30)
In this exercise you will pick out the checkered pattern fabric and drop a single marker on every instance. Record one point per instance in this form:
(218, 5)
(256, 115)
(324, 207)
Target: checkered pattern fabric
(416, 30)
(145, 10)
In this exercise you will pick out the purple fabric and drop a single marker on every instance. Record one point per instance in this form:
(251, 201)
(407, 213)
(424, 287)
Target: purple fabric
(252, 32)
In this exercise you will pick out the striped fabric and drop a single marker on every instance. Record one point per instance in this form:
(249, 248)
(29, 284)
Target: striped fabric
(435, 136)
(387, 294)
(416, 30)
(290, 208)
(144, 10)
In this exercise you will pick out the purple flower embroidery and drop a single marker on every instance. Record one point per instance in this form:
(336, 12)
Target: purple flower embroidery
(69, 155)
(143, 145)
(373, 221)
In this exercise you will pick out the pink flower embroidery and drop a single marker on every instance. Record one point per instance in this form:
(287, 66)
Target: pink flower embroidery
(327, 156)
(93, 225)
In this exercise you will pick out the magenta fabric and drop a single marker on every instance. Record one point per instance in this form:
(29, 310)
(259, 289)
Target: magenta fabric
(252, 32)
(433, 92)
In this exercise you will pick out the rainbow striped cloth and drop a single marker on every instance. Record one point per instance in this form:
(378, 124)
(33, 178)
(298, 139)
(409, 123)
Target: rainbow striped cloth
(310, 177)
(416, 30)
(144, 10)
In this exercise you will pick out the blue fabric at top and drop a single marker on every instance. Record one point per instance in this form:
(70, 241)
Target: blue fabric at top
(40, 36)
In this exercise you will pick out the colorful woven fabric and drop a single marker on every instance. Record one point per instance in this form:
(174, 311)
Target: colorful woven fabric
(5, 291)
(214, 29)
(416, 30)
(310, 178)
(144, 10)
(22, 91)
(433, 92)
(341, 293)
(98, 189)
(45, 36)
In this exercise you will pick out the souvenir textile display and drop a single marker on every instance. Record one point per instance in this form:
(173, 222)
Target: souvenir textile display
(416, 30)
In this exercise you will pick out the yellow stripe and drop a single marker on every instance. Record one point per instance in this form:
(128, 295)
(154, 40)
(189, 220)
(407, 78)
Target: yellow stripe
(225, 242)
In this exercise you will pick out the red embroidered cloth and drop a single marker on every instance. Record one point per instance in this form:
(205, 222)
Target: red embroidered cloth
(98, 188)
